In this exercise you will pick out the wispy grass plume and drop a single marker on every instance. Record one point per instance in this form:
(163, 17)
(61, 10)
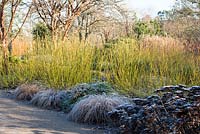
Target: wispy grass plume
(94, 109)
(49, 99)
(26, 91)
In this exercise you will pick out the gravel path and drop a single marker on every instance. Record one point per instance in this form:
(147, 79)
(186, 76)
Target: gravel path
(21, 118)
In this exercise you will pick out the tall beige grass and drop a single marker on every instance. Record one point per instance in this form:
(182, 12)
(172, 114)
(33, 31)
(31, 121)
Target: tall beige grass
(21, 46)
(162, 43)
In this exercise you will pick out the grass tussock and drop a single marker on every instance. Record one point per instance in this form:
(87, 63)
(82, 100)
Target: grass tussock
(79, 91)
(26, 91)
(94, 109)
(49, 99)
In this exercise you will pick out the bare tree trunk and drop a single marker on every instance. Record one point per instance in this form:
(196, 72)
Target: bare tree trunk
(5, 57)
(4, 33)
(53, 38)
(80, 24)
(86, 29)
(127, 28)
(67, 28)
(80, 35)
(3, 38)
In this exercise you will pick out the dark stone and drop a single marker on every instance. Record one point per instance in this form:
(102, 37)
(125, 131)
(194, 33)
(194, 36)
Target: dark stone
(139, 101)
(179, 93)
(167, 96)
(169, 89)
(194, 89)
(180, 102)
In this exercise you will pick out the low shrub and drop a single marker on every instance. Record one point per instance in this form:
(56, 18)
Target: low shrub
(49, 99)
(26, 91)
(77, 92)
(93, 109)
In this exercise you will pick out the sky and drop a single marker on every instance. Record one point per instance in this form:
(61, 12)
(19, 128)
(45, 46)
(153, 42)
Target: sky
(150, 7)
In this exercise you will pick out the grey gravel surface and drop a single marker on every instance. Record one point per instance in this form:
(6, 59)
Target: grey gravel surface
(21, 118)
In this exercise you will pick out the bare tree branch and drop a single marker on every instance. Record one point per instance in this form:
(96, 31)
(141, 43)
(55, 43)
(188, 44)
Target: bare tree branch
(24, 20)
